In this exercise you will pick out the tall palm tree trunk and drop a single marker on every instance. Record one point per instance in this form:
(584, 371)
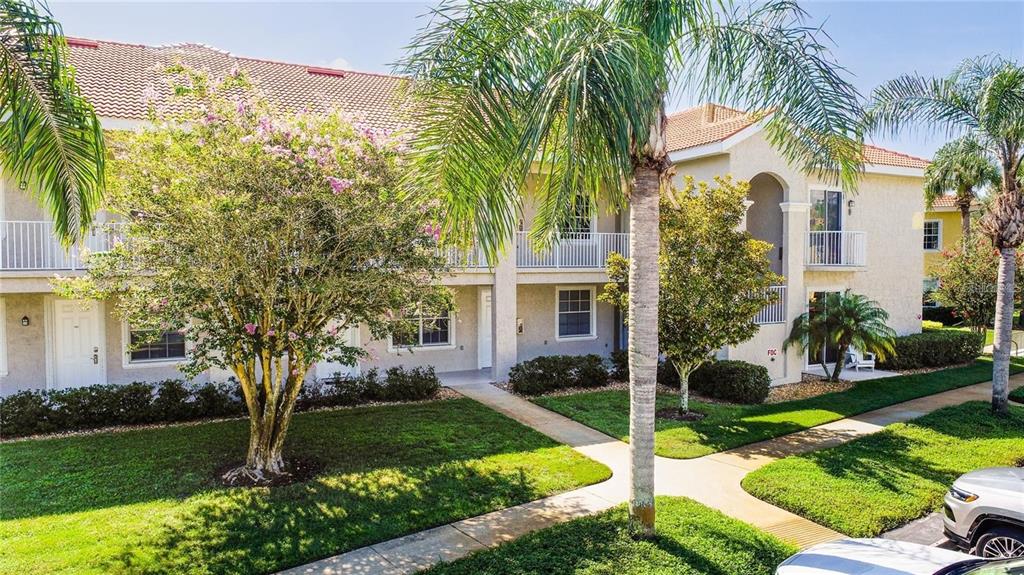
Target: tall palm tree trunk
(965, 221)
(644, 238)
(1004, 330)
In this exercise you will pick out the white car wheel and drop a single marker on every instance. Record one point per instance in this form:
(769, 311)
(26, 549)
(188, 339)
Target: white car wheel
(1001, 543)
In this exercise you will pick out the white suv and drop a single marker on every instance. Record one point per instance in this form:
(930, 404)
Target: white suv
(984, 512)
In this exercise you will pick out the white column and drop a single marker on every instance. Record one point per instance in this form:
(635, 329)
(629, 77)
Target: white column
(503, 315)
(746, 208)
(794, 246)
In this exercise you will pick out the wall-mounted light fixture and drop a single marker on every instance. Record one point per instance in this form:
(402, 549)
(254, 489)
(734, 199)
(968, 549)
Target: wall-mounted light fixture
(849, 207)
(25, 321)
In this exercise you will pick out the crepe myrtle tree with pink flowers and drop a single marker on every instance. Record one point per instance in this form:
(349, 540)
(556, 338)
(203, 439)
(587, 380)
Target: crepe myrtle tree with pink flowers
(262, 237)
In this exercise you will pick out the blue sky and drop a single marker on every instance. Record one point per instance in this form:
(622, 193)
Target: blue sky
(874, 40)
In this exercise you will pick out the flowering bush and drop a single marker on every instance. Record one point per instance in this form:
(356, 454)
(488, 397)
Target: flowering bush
(262, 237)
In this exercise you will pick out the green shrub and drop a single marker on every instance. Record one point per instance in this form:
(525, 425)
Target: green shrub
(26, 413)
(934, 348)
(172, 401)
(553, 372)
(667, 374)
(732, 380)
(590, 371)
(95, 406)
(943, 315)
(620, 365)
(414, 384)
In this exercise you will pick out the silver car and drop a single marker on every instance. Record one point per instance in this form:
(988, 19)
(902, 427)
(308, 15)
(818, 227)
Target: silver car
(984, 512)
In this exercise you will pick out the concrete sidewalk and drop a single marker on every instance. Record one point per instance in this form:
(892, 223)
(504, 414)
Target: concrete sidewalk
(713, 480)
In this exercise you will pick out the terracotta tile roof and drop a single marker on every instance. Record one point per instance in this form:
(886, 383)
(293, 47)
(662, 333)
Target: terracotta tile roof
(881, 156)
(710, 123)
(119, 77)
(945, 202)
(704, 124)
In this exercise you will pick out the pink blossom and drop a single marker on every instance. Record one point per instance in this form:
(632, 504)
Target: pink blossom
(148, 94)
(245, 139)
(235, 71)
(432, 230)
(339, 185)
(250, 328)
(241, 107)
(333, 331)
(292, 336)
(270, 333)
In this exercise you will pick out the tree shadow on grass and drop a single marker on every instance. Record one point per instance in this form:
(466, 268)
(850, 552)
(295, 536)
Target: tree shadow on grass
(77, 474)
(692, 540)
(261, 530)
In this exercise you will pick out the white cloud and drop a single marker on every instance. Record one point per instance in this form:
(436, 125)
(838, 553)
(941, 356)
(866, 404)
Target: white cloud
(339, 63)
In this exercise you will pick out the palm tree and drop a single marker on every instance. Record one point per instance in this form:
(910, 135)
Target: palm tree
(964, 167)
(575, 90)
(50, 139)
(842, 321)
(983, 98)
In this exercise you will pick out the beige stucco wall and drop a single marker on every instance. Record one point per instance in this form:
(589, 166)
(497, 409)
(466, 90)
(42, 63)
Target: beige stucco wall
(26, 359)
(888, 208)
(536, 307)
(462, 357)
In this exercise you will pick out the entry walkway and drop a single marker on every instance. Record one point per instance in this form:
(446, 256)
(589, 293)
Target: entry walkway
(713, 480)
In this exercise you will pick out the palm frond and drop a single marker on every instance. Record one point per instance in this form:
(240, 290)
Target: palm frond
(767, 60)
(962, 166)
(501, 89)
(50, 137)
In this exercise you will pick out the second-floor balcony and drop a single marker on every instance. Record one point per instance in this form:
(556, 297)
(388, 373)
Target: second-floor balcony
(572, 251)
(836, 249)
(32, 246)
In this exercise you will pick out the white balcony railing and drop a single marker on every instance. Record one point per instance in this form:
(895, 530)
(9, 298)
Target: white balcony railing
(775, 312)
(32, 245)
(836, 248)
(473, 257)
(571, 250)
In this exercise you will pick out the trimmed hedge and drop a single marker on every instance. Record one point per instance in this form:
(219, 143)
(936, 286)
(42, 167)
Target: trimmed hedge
(95, 406)
(943, 315)
(1017, 395)
(552, 372)
(732, 380)
(935, 348)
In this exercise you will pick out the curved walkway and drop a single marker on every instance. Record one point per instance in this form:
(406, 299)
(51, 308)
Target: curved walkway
(713, 480)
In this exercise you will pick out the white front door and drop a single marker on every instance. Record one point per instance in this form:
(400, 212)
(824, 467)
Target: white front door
(78, 358)
(484, 349)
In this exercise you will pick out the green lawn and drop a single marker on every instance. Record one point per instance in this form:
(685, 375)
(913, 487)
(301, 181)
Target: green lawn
(728, 426)
(884, 480)
(146, 500)
(693, 540)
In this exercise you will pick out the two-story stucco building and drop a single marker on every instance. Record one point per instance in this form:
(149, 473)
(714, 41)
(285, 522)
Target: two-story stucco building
(524, 305)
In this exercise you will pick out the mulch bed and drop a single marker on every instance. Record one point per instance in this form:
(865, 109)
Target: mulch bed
(297, 470)
(675, 414)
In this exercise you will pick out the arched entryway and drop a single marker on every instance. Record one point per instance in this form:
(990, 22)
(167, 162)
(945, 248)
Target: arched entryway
(764, 217)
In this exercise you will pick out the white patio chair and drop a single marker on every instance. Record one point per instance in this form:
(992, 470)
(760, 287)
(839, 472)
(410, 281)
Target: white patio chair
(860, 360)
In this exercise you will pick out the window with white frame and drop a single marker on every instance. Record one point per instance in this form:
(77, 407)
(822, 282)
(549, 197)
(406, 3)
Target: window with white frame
(145, 347)
(932, 235)
(575, 313)
(580, 220)
(427, 331)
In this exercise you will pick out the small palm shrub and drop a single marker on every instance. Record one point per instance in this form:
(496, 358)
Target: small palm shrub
(842, 321)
